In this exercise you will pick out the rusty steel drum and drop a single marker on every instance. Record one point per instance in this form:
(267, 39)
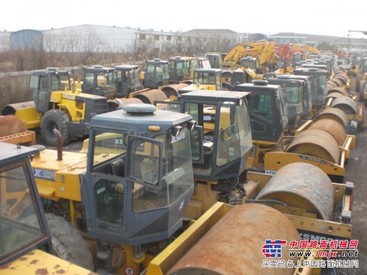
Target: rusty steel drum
(316, 143)
(172, 90)
(346, 104)
(333, 127)
(333, 113)
(301, 185)
(125, 101)
(11, 109)
(151, 96)
(234, 245)
(338, 90)
(337, 81)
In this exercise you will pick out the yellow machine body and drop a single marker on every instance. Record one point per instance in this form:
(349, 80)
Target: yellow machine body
(58, 179)
(40, 262)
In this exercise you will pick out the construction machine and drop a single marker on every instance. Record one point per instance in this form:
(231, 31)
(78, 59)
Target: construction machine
(56, 105)
(129, 191)
(182, 68)
(324, 142)
(156, 73)
(204, 79)
(128, 80)
(263, 51)
(99, 80)
(319, 83)
(226, 147)
(215, 59)
(25, 239)
(229, 235)
(12, 130)
(297, 99)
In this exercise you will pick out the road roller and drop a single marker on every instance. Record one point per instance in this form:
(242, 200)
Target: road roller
(227, 239)
(323, 142)
(124, 206)
(338, 96)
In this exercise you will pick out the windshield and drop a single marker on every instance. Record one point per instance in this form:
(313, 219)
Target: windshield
(60, 82)
(161, 71)
(205, 78)
(155, 174)
(177, 173)
(292, 94)
(234, 136)
(106, 80)
(248, 63)
(19, 223)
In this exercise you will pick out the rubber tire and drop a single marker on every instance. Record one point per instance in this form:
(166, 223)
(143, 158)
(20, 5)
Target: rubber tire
(68, 243)
(55, 119)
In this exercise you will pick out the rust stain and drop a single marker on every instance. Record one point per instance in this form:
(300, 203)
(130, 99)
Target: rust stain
(5, 267)
(34, 261)
(41, 271)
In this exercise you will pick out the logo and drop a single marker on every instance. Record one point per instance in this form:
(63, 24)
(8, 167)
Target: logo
(44, 174)
(273, 248)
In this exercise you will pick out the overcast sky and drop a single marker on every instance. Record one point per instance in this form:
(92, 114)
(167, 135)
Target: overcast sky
(268, 16)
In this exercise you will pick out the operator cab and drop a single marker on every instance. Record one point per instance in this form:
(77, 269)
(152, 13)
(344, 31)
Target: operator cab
(44, 83)
(23, 226)
(156, 73)
(267, 110)
(204, 79)
(227, 140)
(293, 98)
(128, 80)
(307, 91)
(139, 176)
(319, 85)
(99, 80)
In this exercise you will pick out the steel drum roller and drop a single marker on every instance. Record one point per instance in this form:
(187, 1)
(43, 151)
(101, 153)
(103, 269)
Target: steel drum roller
(301, 185)
(249, 226)
(346, 104)
(151, 96)
(317, 143)
(333, 113)
(332, 127)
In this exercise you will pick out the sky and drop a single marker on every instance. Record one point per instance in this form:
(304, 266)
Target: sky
(325, 17)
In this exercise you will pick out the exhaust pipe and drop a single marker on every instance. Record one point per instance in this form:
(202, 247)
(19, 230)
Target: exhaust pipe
(59, 143)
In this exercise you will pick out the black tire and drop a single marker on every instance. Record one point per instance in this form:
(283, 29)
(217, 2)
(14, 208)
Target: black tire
(68, 243)
(55, 119)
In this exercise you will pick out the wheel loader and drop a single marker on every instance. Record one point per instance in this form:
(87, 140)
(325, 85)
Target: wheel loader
(129, 192)
(56, 105)
(25, 239)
